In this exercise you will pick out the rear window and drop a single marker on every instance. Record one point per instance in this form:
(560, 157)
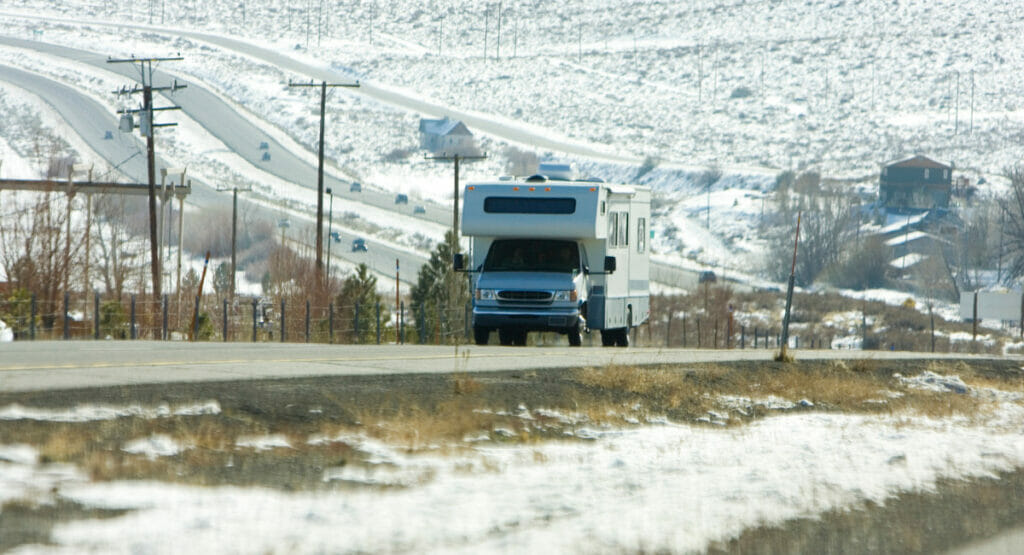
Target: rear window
(528, 205)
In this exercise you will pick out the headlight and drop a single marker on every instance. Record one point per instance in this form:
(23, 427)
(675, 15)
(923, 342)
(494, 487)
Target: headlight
(565, 295)
(486, 294)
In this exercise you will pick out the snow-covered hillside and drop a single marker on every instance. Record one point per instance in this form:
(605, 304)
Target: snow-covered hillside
(751, 88)
(840, 86)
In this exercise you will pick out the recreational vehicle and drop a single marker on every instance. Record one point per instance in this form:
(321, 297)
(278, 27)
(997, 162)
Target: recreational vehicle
(563, 256)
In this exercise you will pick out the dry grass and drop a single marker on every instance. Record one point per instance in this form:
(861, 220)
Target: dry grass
(442, 414)
(464, 384)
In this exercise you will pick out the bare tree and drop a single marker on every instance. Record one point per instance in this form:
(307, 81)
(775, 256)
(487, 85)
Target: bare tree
(826, 228)
(120, 261)
(37, 253)
(1013, 231)
(979, 241)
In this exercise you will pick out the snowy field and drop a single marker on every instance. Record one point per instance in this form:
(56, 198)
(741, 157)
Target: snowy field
(658, 486)
(840, 87)
(750, 88)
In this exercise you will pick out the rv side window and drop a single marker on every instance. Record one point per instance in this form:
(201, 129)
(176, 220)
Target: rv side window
(641, 237)
(529, 205)
(623, 229)
(613, 228)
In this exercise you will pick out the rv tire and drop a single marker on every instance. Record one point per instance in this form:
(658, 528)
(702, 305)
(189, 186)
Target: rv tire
(519, 337)
(575, 340)
(506, 336)
(481, 335)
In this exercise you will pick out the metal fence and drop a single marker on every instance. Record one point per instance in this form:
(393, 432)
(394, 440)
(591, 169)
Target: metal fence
(297, 320)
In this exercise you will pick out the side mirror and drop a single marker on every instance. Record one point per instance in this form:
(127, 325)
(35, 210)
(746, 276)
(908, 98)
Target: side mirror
(459, 262)
(609, 264)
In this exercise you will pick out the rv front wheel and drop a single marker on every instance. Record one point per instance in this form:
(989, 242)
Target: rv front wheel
(481, 335)
(506, 336)
(575, 340)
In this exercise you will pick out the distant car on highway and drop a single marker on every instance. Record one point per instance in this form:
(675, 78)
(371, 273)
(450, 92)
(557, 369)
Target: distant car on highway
(355, 187)
(265, 157)
(359, 245)
(707, 276)
(264, 145)
(420, 209)
(401, 198)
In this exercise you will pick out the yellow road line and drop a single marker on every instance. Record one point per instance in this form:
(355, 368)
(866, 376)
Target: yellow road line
(256, 360)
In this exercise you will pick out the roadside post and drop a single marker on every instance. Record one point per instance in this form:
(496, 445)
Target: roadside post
(782, 357)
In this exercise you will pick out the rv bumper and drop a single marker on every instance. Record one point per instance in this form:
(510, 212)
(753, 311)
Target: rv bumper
(532, 320)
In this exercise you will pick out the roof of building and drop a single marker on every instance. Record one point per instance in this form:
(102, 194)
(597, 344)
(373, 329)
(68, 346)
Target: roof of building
(443, 126)
(918, 162)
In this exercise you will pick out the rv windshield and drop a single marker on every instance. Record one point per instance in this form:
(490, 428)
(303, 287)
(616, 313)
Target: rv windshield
(532, 255)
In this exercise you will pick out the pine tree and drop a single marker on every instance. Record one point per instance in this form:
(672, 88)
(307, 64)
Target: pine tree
(222, 279)
(359, 289)
(440, 296)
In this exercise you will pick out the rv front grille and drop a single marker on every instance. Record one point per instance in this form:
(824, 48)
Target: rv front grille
(524, 296)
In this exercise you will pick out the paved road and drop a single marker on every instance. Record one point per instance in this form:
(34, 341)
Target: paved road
(53, 365)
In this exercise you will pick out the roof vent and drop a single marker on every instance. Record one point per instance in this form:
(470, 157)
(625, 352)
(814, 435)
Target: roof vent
(537, 178)
(556, 171)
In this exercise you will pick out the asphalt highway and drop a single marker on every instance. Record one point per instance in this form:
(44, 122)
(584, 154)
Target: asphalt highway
(57, 365)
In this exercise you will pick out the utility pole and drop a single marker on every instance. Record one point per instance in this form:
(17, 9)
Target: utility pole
(147, 127)
(971, 131)
(307, 24)
(455, 208)
(320, 171)
(956, 111)
(498, 50)
(700, 76)
(234, 233)
(319, 22)
(330, 233)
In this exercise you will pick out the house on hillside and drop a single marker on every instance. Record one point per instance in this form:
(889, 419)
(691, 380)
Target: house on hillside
(917, 183)
(446, 136)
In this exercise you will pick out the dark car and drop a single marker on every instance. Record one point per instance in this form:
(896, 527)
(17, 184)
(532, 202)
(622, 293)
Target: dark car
(401, 198)
(419, 209)
(707, 276)
(355, 187)
(359, 245)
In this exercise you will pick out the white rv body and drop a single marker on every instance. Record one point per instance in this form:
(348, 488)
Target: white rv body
(604, 220)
